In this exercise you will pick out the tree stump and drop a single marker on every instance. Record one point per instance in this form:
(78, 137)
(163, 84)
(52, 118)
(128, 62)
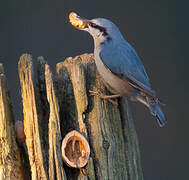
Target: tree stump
(56, 107)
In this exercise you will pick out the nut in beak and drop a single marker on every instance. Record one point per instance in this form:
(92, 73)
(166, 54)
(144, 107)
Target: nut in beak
(77, 21)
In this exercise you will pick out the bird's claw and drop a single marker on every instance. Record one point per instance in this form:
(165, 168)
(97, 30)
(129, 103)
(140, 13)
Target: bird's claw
(105, 97)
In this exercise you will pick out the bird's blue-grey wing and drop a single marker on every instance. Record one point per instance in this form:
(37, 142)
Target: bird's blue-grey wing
(123, 61)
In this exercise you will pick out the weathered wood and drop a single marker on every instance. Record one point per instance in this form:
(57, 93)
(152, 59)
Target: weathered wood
(10, 162)
(31, 118)
(132, 152)
(55, 106)
(73, 102)
(109, 128)
(41, 120)
(56, 170)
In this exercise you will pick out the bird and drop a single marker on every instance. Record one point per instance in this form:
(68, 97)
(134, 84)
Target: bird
(119, 65)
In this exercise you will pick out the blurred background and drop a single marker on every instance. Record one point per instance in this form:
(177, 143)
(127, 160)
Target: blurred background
(158, 30)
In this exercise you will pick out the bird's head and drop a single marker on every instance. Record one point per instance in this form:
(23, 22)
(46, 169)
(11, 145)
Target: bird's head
(102, 30)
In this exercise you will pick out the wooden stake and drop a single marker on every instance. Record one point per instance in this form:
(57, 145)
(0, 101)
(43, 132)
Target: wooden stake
(56, 170)
(31, 118)
(10, 162)
(108, 128)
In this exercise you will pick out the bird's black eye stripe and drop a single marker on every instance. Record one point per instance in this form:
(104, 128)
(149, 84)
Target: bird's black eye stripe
(100, 28)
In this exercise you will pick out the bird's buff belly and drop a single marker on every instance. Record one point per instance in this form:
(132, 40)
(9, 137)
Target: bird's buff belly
(114, 83)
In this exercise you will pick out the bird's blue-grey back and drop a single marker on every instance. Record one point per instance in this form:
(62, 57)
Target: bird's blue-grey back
(122, 60)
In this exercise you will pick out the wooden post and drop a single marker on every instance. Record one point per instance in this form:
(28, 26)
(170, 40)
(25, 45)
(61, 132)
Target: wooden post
(31, 118)
(10, 161)
(108, 128)
(56, 170)
(41, 120)
(54, 106)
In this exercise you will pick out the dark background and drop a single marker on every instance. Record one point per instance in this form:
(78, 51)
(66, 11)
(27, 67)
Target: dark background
(157, 30)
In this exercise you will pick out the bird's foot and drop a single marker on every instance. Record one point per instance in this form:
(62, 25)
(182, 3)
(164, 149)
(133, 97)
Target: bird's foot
(105, 97)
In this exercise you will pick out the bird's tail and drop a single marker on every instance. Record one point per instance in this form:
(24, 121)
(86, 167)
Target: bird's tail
(155, 109)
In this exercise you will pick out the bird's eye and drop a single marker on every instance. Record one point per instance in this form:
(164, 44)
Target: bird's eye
(92, 24)
(100, 28)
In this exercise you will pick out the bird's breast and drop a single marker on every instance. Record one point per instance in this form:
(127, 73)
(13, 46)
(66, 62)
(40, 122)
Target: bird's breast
(117, 85)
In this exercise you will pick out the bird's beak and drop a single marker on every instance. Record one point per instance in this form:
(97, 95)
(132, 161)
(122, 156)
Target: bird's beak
(78, 22)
